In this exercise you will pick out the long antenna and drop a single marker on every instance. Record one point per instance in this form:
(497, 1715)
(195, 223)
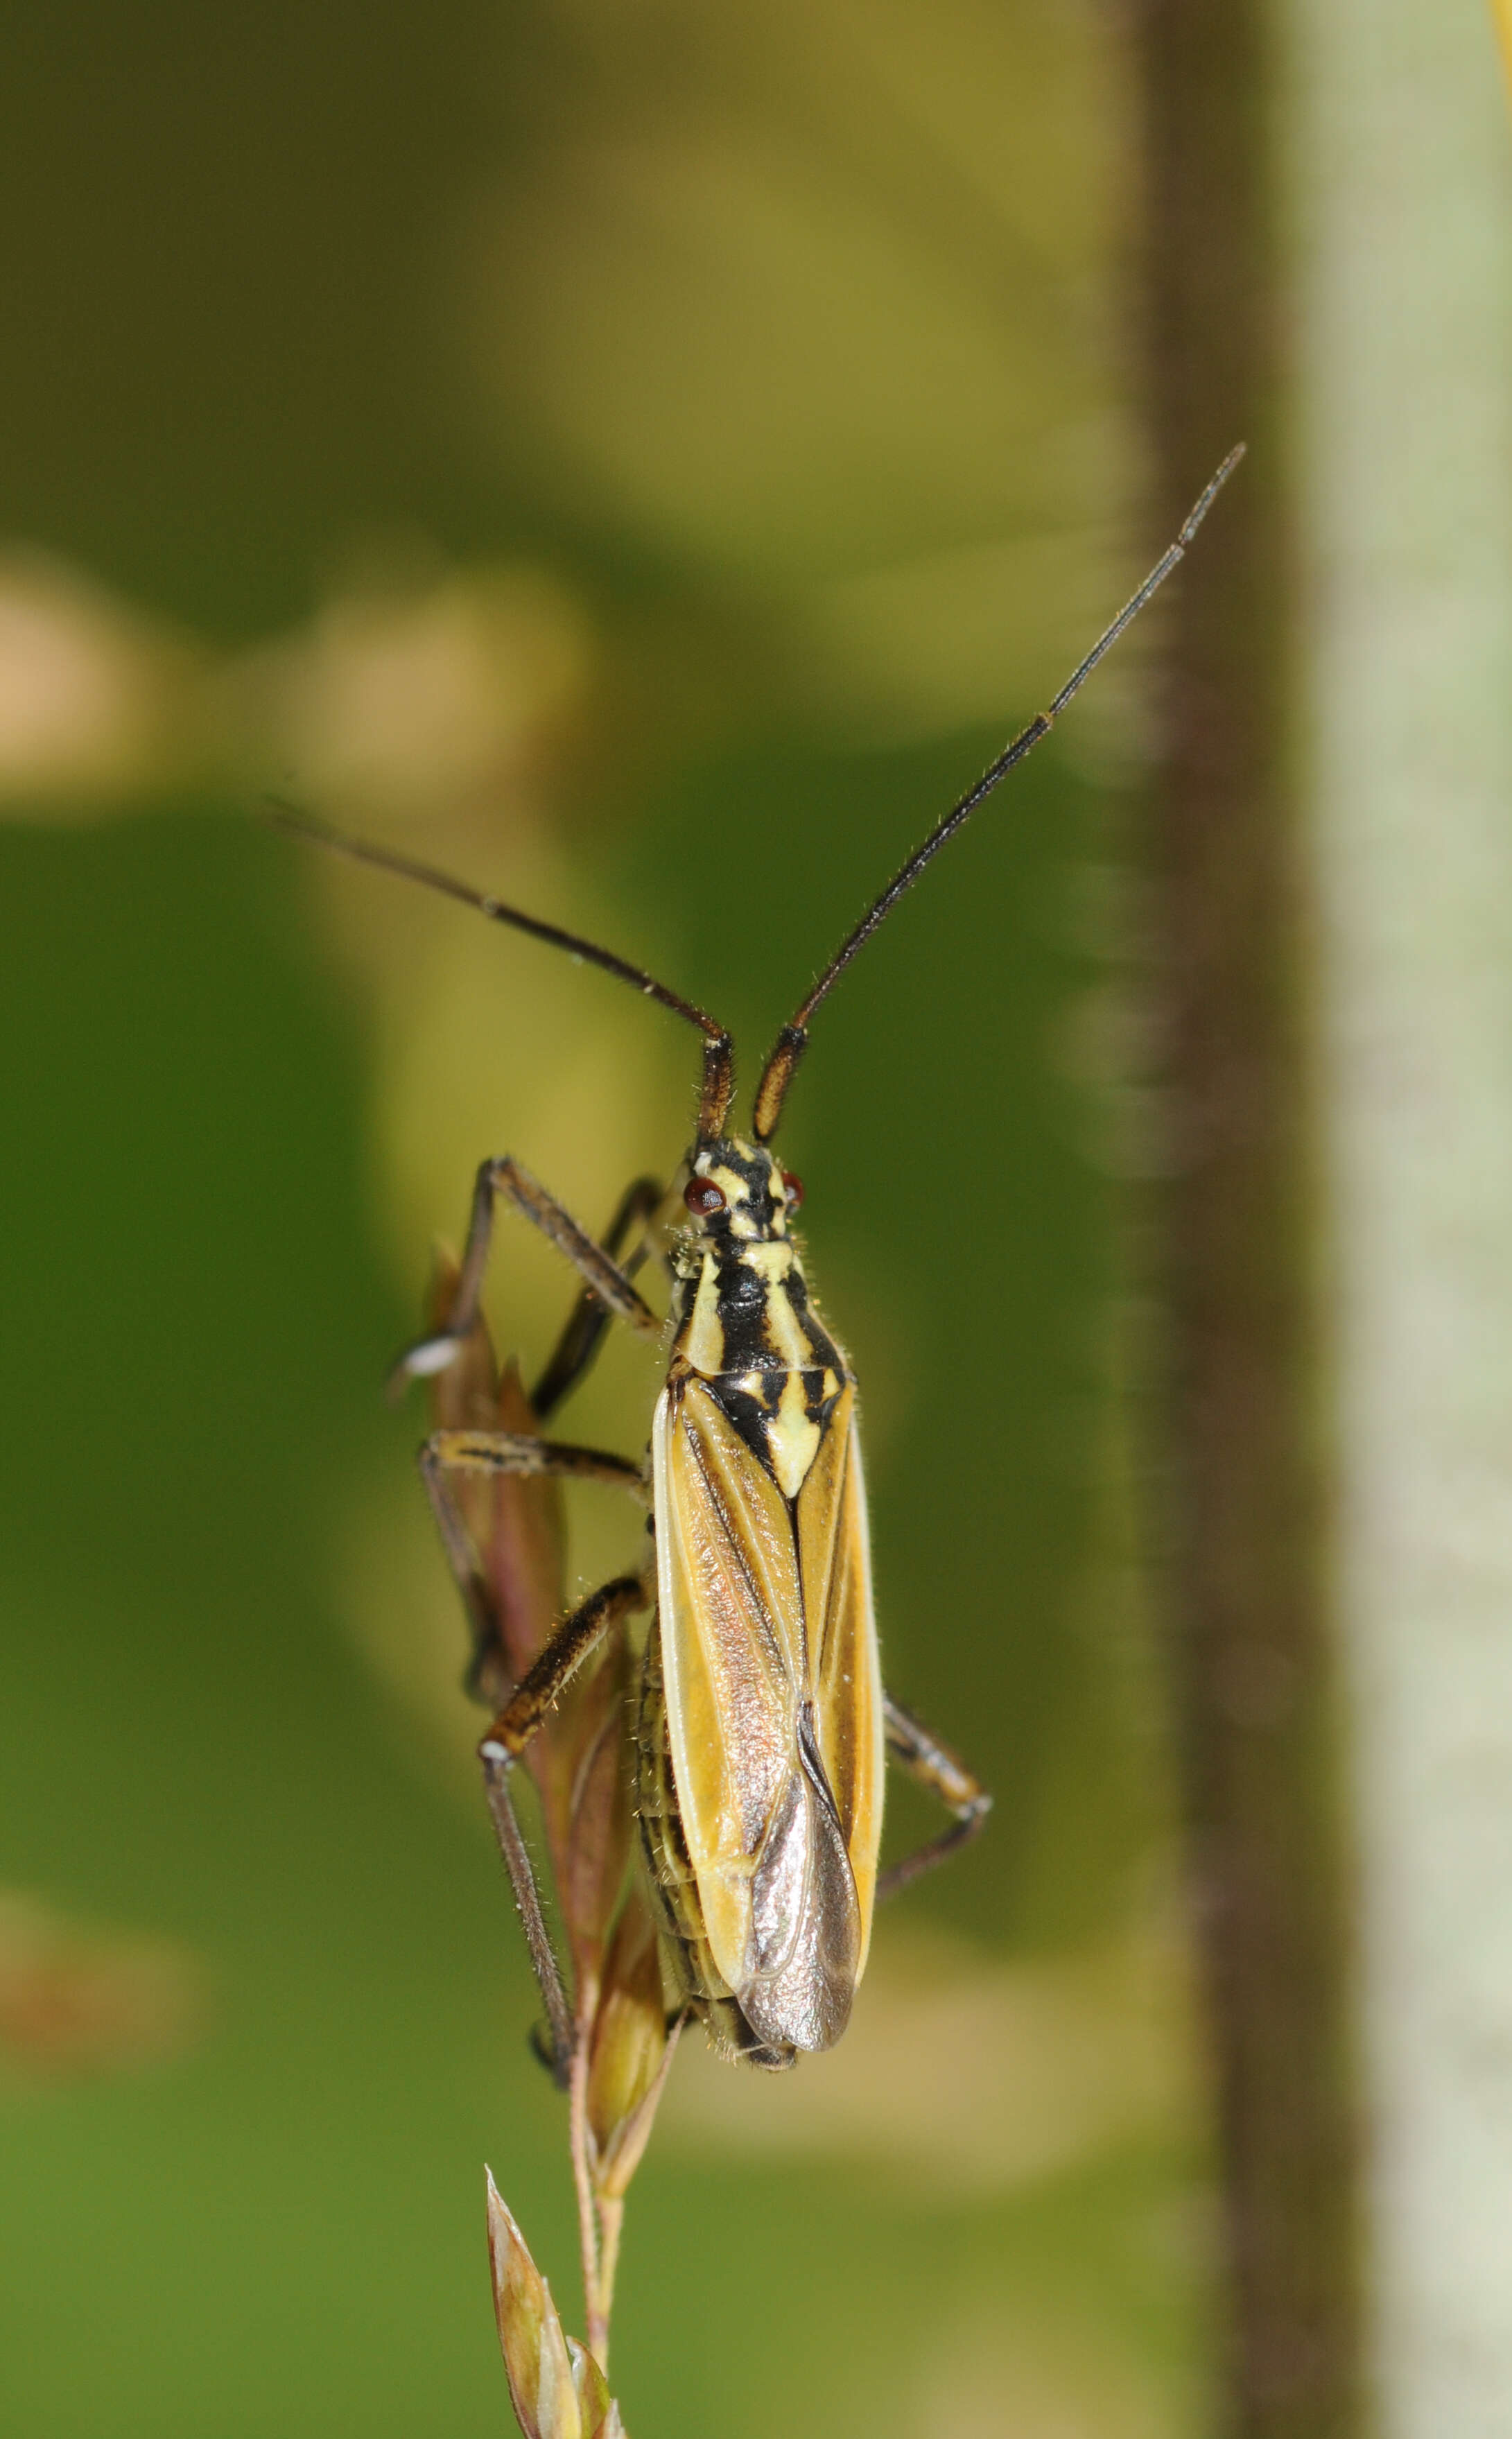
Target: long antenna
(793, 1039)
(718, 1050)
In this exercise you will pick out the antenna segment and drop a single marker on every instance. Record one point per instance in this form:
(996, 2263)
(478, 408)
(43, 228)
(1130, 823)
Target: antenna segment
(718, 1050)
(794, 1038)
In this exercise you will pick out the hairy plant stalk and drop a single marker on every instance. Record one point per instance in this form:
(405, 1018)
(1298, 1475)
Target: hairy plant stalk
(1246, 1566)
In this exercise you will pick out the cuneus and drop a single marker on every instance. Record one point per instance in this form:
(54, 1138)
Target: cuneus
(762, 1725)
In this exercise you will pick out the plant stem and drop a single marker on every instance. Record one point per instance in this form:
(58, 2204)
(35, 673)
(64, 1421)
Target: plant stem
(1247, 1508)
(594, 2313)
(611, 2220)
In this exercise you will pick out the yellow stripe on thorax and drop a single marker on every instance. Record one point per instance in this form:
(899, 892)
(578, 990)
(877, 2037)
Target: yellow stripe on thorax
(792, 1436)
(704, 1339)
(792, 1439)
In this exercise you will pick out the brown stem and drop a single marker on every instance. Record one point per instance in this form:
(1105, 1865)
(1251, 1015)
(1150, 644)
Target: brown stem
(1246, 1579)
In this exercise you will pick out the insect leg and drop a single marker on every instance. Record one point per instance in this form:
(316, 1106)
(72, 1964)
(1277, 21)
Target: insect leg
(511, 1452)
(932, 1765)
(488, 1451)
(603, 1275)
(520, 1453)
(575, 1638)
(589, 1319)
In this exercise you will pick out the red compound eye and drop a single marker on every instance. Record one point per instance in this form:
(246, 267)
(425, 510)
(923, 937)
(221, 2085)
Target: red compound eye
(794, 1188)
(702, 1197)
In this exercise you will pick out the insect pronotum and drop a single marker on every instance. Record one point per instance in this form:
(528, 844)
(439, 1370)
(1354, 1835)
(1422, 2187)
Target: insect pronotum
(763, 1726)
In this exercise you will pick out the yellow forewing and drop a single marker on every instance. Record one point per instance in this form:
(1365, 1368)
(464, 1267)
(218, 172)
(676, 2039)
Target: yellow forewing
(765, 1609)
(835, 1550)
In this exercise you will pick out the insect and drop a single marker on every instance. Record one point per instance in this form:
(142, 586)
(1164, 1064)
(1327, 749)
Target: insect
(763, 1727)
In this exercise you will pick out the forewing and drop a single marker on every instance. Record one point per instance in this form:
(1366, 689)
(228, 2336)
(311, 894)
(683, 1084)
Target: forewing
(846, 1677)
(774, 1709)
(731, 1652)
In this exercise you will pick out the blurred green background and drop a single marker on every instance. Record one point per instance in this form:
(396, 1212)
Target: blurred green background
(646, 459)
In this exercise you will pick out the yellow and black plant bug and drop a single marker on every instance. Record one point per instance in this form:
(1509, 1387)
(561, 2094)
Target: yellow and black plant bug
(763, 1726)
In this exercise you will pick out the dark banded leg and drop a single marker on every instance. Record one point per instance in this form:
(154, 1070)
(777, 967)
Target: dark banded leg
(520, 1453)
(934, 1766)
(590, 1316)
(489, 1451)
(576, 1636)
(603, 1275)
(511, 1452)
